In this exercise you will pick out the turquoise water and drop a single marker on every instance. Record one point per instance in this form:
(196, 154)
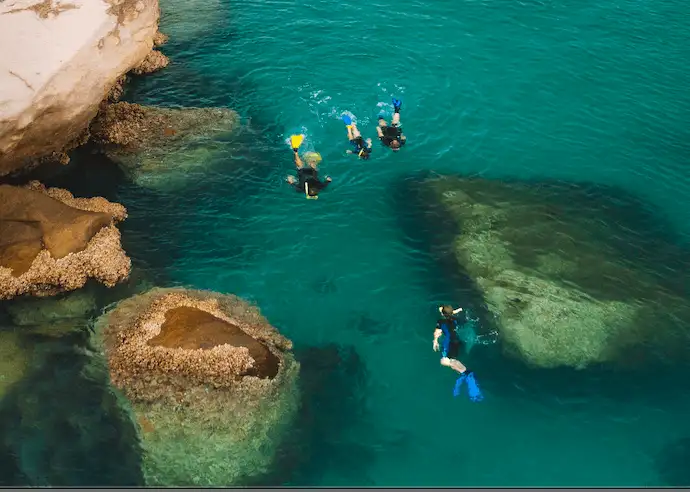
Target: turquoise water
(563, 90)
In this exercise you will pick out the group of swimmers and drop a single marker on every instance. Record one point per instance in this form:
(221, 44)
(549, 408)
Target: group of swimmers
(308, 181)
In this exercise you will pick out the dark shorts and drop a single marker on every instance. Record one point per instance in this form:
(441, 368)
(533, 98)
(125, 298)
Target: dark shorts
(454, 349)
(360, 148)
(358, 143)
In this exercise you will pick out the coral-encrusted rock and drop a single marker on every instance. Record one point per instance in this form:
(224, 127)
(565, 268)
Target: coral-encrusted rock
(163, 148)
(568, 282)
(51, 242)
(207, 377)
(64, 59)
(153, 62)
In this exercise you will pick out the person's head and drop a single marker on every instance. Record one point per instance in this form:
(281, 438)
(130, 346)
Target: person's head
(447, 310)
(395, 145)
(364, 153)
(313, 159)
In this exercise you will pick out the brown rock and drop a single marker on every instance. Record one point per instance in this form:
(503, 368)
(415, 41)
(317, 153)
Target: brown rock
(153, 62)
(206, 376)
(20, 243)
(52, 242)
(64, 229)
(160, 39)
(191, 328)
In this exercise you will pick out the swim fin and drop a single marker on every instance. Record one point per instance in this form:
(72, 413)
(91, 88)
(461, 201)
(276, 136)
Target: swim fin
(458, 384)
(296, 141)
(346, 119)
(397, 103)
(473, 390)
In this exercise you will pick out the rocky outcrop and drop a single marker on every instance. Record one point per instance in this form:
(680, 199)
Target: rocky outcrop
(153, 62)
(567, 284)
(206, 376)
(163, 148)
(65, 59)
(51, 242)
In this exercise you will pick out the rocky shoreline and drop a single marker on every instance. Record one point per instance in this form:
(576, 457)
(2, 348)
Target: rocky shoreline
(51, 95)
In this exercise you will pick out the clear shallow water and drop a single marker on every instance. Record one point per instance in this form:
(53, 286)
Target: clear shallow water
(561, 90)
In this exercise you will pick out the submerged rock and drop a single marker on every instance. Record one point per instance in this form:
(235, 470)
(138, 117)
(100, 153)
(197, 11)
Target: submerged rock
(54, 316)
(66, 426)
(212, 385)
(73, 305)
(14, 360)
(51, 242)
(564, 281)
(162, 148)
(66, 58)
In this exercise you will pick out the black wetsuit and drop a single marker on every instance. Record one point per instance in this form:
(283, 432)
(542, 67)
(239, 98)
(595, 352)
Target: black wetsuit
(360, 147)
(309, 176)
(451, 344)
(391, 133)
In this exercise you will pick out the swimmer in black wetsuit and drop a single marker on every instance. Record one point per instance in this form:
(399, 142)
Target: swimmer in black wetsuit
(392, 136)
(446, 327)
(307, 181)
(362, 148)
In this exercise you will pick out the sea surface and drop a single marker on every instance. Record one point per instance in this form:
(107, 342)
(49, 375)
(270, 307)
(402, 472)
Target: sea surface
(576, 91)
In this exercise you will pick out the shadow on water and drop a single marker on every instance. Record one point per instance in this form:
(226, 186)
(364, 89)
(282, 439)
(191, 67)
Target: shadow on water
(62, 426)
(429, 229)
(333, 383)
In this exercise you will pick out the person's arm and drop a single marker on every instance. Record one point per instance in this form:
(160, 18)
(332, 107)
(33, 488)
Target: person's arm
(298, 160)
(326, 182)
(379, 130)
(437, 335)
(369, 143)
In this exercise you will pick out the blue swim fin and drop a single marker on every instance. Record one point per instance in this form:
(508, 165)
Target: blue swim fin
(346, 119)
(473, 390)
(458, 384)
(397, 103)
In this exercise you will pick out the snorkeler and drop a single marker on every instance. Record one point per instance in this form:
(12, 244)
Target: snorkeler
(362, 148)
(392, 136)
(307, 181)
(447, 327)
